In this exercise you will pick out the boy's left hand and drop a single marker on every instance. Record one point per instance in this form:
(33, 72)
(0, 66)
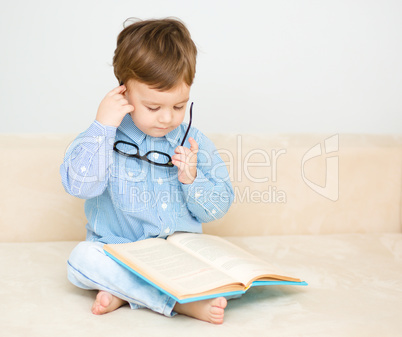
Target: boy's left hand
(186, 161)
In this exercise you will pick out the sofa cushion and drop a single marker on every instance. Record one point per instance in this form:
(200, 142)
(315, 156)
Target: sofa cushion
(312, 184)
(34, 205)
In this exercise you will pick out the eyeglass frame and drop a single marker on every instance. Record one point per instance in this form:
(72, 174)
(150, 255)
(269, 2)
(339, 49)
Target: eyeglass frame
(145, 156)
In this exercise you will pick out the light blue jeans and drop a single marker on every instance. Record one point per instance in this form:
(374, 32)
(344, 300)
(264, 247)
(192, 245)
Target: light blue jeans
(90, 268)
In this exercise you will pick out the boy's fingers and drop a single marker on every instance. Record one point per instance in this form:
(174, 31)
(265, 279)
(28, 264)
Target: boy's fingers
(193, 145)
(117, 90)
(121, 99)
(128, 108)
(179, 157)
(180, 165)
(187, 159)
(180, 149)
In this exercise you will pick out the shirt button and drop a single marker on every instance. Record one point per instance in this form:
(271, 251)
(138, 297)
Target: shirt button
(160, 181)
(156, 155)
(197, 194)
(130, 174)
(213, 211)
(83, 169)
(167, 230)
(99, 139)
(164, 206)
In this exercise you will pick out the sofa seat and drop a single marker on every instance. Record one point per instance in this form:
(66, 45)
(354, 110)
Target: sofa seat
(355, 289)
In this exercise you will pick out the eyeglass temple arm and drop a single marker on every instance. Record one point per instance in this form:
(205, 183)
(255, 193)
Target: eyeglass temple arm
(189, 124)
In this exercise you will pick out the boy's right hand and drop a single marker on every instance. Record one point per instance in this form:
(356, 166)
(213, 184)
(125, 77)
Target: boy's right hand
(114, 107)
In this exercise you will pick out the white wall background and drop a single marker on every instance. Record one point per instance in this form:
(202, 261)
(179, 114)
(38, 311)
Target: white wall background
(264, 66)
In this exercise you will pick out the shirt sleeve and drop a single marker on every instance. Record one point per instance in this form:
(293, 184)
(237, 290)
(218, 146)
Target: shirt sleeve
(211, 194)
(85, 168)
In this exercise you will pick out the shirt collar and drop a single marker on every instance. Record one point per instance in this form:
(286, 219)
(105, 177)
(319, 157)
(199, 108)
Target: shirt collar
(128, 127)
(174, 136)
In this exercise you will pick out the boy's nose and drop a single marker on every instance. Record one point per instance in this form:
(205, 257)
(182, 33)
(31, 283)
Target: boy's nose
(166, 116)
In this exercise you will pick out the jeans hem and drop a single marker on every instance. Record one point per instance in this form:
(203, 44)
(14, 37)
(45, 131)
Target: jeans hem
(168, 310)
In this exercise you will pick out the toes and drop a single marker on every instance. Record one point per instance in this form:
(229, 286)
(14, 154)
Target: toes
(223, 302)
(102, 301)
(217, 311)
(209, 310)
(216, 319)
(105, 299)
(95, 309)
(220, 302)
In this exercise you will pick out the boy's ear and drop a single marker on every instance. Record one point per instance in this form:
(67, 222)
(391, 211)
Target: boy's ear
(125, 90)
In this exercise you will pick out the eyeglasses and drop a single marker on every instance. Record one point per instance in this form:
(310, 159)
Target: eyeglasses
(132, 151)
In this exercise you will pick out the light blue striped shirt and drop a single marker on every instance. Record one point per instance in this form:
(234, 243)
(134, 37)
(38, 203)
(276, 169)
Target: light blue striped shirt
(128, 199)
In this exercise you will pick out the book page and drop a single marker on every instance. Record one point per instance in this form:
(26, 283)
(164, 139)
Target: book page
(169, 267)
(227, 257)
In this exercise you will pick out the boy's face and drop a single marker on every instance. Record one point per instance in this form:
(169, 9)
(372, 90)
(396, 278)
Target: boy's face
(156, 113)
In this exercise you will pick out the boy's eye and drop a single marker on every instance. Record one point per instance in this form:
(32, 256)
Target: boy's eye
(153, 109)
(177, 108)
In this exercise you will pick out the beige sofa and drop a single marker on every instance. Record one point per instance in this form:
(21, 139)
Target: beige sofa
(326, 208)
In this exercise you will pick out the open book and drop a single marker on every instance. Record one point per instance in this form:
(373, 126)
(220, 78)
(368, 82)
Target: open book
(191, 267)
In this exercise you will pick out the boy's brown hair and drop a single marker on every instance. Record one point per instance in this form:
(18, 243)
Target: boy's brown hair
(158, 53)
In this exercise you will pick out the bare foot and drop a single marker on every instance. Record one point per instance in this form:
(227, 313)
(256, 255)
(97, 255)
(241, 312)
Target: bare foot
(106, 302)
(211, 311)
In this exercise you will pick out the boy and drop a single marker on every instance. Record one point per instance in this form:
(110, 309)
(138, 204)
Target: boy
(138, 181)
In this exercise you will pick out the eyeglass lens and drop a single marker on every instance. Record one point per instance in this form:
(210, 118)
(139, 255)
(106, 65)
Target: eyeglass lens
(131, 150)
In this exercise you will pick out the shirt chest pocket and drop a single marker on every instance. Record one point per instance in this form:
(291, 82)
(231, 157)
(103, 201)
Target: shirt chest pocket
(128, 188)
